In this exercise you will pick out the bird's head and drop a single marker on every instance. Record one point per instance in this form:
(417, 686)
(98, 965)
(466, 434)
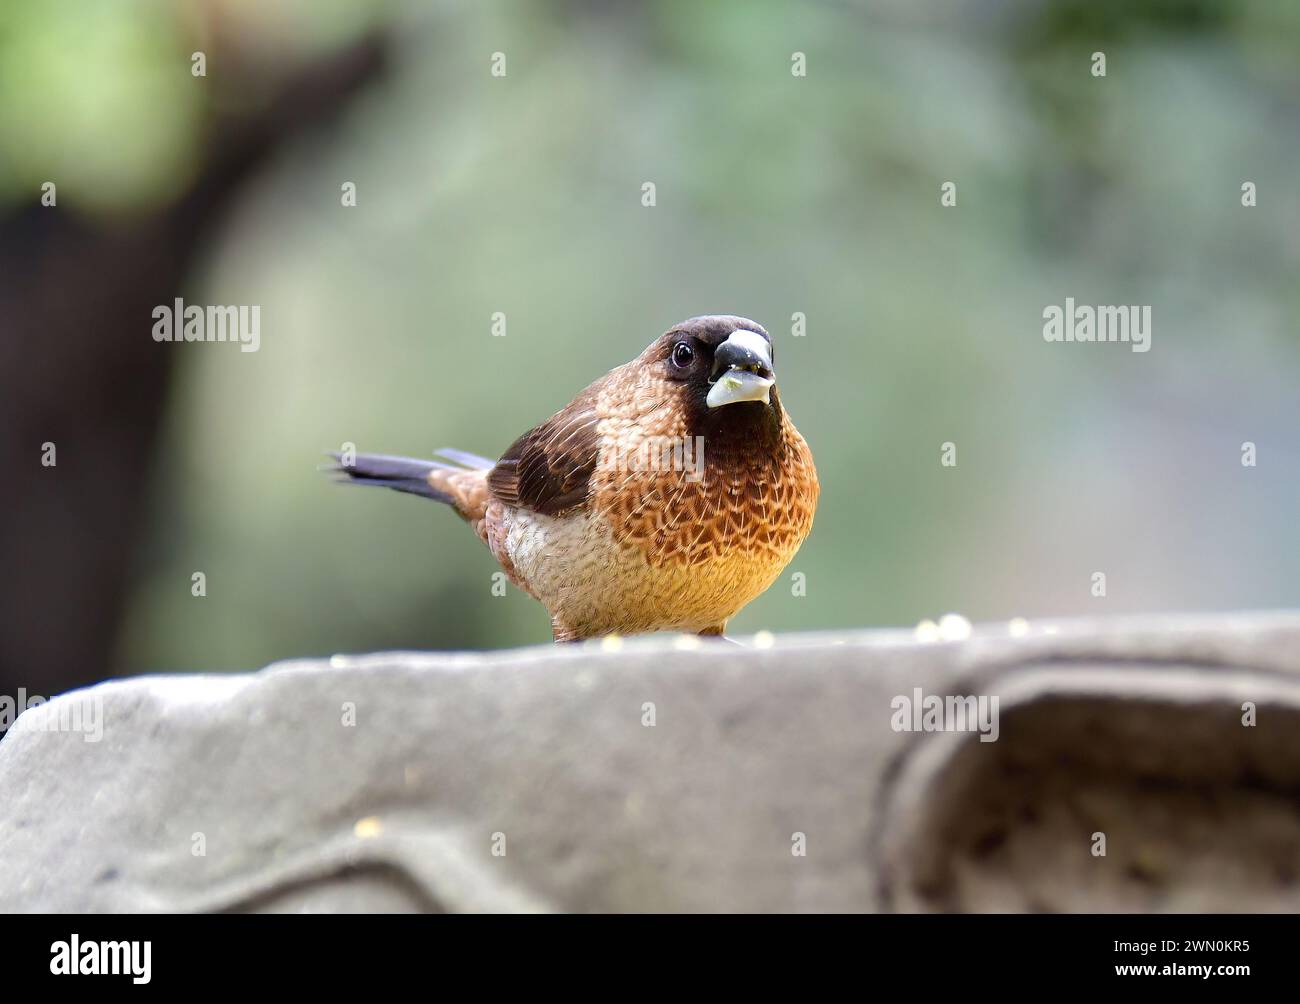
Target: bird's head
(721, 366)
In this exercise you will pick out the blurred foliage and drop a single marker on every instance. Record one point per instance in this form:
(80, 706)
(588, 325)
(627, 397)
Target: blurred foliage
(775, 195)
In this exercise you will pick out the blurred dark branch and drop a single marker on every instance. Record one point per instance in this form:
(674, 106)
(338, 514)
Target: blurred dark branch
(79, 368)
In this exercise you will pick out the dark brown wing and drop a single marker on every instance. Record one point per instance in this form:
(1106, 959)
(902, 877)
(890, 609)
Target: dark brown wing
(548, 469)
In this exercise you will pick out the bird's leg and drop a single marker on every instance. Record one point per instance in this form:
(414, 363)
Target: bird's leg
(561, 633)
(716, 632)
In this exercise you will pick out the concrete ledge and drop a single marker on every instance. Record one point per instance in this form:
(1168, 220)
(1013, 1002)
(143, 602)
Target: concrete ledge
(394, 782)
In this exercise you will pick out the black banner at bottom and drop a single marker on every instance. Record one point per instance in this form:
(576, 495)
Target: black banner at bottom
(334, 953)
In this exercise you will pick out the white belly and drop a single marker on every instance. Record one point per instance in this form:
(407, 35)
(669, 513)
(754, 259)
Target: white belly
(587, 579)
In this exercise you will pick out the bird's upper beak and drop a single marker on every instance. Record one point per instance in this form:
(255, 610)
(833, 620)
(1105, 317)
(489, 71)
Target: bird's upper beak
(742, 370)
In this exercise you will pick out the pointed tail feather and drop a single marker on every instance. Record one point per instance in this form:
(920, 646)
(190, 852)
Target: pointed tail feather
(403, 474)
(471, 460)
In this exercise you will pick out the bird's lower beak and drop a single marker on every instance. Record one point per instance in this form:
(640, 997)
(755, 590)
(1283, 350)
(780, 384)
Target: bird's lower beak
(742, 370)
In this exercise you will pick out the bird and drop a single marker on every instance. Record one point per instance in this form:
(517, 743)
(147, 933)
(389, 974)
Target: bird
(665, 496)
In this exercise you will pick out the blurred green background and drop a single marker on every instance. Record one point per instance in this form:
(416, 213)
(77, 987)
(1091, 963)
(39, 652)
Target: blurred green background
(776, 195)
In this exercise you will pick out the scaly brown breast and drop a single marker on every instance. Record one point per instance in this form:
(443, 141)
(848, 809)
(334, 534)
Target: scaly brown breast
(711, 543)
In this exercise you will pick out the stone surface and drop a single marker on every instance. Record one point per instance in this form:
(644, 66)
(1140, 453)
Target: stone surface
(1131, 729)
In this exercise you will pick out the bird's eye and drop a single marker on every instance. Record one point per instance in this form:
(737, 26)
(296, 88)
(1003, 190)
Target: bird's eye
(683, 355)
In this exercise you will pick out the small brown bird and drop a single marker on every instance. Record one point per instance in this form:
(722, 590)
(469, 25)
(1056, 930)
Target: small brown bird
(666, 496)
